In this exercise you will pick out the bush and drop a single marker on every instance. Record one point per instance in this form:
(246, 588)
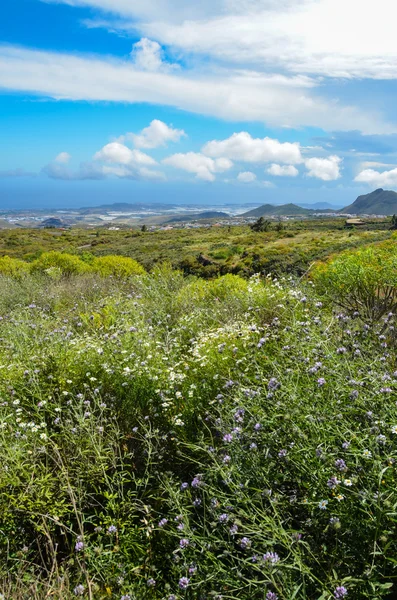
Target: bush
(364, 281)
(13, 267)
(67, 264)
(117, 266)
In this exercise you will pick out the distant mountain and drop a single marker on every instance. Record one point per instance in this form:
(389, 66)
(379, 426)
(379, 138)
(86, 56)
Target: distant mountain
(379, 202)
(54, 223)
(285, 210)
(197, 216)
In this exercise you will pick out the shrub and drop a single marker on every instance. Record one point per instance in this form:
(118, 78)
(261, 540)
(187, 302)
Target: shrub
(364, 281)
(13, 267)
(117, 266)
(68, 264)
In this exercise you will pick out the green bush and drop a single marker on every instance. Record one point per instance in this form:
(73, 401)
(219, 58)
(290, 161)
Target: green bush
(364, 281)
(13, 267)
(117, 266)
(67, 264)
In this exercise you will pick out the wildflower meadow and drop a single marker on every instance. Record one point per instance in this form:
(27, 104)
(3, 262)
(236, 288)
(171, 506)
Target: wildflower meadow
(165, 437)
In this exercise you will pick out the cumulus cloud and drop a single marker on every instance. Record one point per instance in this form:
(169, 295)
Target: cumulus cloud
(378, 179)
(202, 166)
(148, 55)
(113, 160)
(327, 169)
(282, 170)
(241, 146)
(63, 158)
(246, 177)
(119, 154)
(155, 135)
(225, 93)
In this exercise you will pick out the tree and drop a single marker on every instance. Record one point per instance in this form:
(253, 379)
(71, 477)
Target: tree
(261, 225)
(144, 228)
(394, 222)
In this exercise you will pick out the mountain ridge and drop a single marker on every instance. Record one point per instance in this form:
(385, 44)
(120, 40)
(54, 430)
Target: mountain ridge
(378, 202)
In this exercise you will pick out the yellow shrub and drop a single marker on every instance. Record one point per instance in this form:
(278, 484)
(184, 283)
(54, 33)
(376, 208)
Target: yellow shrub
(13, 267)
(117, 266)
(68, 264)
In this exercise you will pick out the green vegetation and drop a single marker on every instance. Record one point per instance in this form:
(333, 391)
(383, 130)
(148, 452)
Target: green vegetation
(169, 437)
(287, 247)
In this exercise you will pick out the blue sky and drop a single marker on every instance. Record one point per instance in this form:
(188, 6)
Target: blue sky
(211, 102)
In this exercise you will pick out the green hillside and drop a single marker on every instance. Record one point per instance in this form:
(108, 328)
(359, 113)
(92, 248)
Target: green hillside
(281, 211)
(379, 202)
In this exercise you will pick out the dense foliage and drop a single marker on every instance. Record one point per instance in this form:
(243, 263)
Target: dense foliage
(164, 437)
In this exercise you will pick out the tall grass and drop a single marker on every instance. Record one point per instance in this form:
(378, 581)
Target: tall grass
(164, 437)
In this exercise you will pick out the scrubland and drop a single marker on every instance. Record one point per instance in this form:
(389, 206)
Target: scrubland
(165, 436)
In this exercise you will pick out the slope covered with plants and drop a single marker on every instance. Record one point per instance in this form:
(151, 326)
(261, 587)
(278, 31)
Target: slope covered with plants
(164, 437)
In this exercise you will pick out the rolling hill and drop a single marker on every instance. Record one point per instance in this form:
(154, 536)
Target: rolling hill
(280, 211)
(379, 202)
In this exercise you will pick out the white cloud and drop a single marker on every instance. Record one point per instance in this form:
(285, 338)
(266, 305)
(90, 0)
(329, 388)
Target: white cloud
(63, 158)
(113, 160)
(243, 96)
(147, 55)
(377, 179)
(282, 170)
(156, 135)
(246, 177)
(119, 154)
(327, 169)
(304, 36)
(241, 146)
(319, 37)
(204, 167)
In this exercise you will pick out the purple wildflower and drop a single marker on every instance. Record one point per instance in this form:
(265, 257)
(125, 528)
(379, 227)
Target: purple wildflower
(79, 590)
(271, 557)
(239, 415)
(79, 546)
(227, 437)
(340, 592)
(184, 486)
(223, 518)
(282, 453)
(321, 381)
(340, 464)
(184, 543)
(196, 482)
(257, 426)
(271, 596)
(245, 543)
(196, 502)
(273, 384)
(151, 582)
(112, 529)
(333, 482)
(226, 459)
(163, 522)
(183, 583)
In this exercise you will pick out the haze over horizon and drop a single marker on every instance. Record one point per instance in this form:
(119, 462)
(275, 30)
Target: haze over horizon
(216, 103)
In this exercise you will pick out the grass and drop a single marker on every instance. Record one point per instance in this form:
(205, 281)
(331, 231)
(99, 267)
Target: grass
(168, 437)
